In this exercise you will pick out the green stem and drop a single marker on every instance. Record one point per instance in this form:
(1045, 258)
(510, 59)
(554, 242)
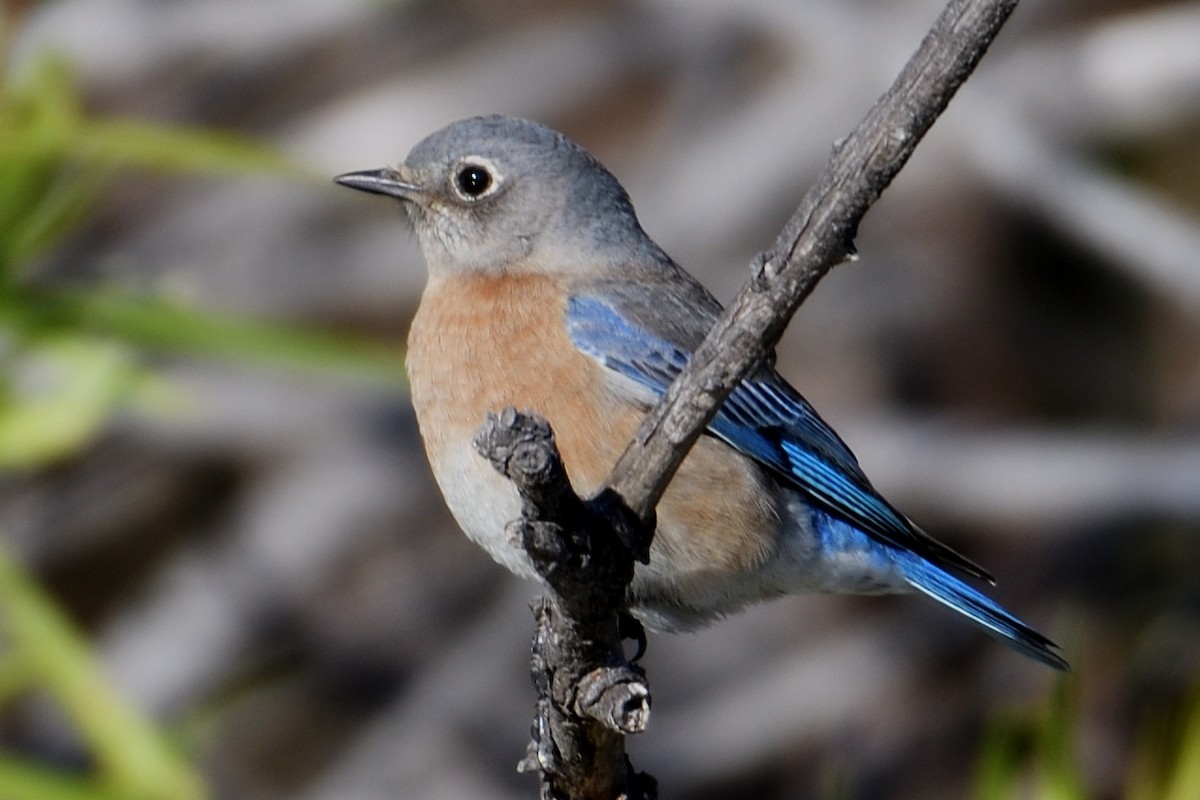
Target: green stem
(134, 760)
(159, 325)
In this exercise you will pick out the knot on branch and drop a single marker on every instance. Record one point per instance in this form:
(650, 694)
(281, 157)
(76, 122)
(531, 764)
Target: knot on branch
(616, 697)
(521, 447)
(589, 695)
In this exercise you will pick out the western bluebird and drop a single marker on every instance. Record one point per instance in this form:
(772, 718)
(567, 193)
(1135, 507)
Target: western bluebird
(545, 293)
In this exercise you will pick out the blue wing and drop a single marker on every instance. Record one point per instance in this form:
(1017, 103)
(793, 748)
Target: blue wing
(769, 421)
(764, 418)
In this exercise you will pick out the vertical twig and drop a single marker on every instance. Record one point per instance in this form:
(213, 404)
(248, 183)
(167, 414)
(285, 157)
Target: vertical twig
(589, 695)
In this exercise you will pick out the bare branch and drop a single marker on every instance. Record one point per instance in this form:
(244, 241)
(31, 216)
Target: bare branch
(818, 236)
(589, 695)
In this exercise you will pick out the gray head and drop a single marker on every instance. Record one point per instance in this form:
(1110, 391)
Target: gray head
(487, 193)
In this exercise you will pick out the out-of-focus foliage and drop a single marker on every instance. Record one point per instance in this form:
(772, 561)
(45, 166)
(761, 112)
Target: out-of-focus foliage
(66, 353)
(1168, 764)
(69, 356)
(1033, 757)
(58, 392)
(41, 652)
(55, 158)
(1025, 757)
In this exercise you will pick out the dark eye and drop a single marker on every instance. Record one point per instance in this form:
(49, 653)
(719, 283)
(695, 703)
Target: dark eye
(473, 180)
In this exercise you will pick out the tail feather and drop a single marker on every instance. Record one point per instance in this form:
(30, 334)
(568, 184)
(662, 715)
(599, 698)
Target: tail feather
(982, 610)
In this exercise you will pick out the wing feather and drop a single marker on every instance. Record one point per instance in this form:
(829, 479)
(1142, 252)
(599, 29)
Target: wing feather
(764, 418)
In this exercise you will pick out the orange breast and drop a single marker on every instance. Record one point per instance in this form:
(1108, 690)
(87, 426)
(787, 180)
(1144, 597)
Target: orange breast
(480, 343)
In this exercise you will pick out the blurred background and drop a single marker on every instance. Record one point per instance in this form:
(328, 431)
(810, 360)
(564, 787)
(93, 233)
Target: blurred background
(249, 586)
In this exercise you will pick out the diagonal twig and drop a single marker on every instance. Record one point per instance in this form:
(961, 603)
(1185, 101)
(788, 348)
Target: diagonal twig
(819, 236)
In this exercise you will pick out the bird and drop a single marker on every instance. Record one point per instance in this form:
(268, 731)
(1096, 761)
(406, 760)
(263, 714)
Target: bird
(544, 293)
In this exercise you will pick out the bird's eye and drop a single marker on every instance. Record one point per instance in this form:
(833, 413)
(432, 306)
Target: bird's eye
(473, 181)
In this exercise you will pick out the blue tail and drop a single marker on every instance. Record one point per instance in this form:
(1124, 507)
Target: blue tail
(983, 611)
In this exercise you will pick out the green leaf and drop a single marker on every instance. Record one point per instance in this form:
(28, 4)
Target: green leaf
(36, 118)
(162, 325)
(41, 118)
(1185, 783)
(23, 781)
(39, 211)
(54, 158)
(1060, 774)
(998, 774)
(134, 760)
(1167, 762)
(60, 396)
(15, 677)
(128, 143)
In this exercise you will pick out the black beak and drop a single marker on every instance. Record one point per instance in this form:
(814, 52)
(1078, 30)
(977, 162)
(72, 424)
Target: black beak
(378, 181)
